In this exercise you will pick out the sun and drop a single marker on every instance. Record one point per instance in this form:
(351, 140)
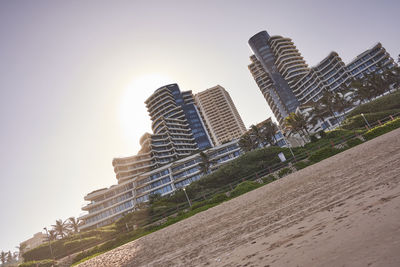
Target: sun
(132, 113)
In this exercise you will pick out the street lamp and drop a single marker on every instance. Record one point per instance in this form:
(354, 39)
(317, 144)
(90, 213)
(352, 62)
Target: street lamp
(190, 203)
(287, 142)
(48, 238)
(362, 115)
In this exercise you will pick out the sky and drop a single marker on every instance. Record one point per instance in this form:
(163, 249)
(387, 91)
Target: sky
(74, 76)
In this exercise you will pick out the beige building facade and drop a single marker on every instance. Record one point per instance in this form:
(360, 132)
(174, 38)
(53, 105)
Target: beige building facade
(35, 241)
(220, 115)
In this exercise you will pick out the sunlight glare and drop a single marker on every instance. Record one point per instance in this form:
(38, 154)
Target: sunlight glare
(133, 118)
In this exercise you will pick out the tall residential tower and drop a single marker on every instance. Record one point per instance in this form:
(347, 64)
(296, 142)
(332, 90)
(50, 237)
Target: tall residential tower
(220, 114)
(286, 81)
(280, 61)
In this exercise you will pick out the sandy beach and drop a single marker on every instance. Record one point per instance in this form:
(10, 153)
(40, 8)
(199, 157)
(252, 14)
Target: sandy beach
(343, 211)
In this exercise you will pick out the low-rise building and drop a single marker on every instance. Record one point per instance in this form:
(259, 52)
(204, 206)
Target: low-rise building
(33, 242)
(109, 204)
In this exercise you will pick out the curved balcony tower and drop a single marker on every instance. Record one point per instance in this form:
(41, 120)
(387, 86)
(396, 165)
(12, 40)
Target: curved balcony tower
(177, 125)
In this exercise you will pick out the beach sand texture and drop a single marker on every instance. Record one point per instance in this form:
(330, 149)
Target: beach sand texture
(343, 211)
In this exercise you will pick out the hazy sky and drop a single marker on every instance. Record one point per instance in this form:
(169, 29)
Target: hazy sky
(74, 76)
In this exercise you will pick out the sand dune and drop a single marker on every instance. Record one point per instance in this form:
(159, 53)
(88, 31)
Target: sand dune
(343, 211)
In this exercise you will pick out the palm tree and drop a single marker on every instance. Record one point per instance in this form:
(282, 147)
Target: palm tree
(9, 257)
(318, 114)
(73, 224)
(297, 122)
(3, 258)
(246, 143)
(52, 235)
(60, 228)
(205, 163)
(257, 135)
(15, 256)
(269, 130)
(342, 103)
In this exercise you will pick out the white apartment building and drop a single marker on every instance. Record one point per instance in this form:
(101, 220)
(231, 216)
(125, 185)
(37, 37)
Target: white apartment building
(220, 115)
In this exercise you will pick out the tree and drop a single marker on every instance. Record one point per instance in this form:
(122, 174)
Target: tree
(154, 198)
(3, 258)
(52, 235)
(10, 258)
(246, 143)
(73, 224)
(21, 248)
(297, 122)
(375, 84)
(205, 163)
(60, 228)
(393, 77)
(269, 130)
(361, 90)
(257, 136)
(319, 113)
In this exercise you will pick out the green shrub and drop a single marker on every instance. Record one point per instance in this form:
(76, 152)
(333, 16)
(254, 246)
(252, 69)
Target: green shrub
(199, 204)
(78, 243)
(387, 102)
(244, 187)
(379, 130)
(268, 179)
(301, 165)
(323, 154)
(322, 133)
(42, 263)
(338, 133)
(358, 121)
(353, 142)
(218, 198)
(284, 172)
(313, 138)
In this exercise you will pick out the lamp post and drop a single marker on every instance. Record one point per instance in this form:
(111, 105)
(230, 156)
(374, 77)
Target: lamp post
(48, 238)
(190, 203)
(287, 142)
(362, 115)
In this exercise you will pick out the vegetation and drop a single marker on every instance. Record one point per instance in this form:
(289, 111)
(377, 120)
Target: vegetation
(297, 123)
(70, 244)
(284, 172)
(384, 103)
(244, 187)
(301, 164)
(259, 136)
(268, 179)
(357, 121)
(323, 153)
(379, 130)
(42, 263)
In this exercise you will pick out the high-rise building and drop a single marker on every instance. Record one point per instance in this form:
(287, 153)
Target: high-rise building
(282, 63)
(332, 73)
(175, 114)
(286, 81)
(220, 115)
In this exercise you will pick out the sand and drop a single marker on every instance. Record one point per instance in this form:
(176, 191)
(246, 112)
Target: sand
(343, 211)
